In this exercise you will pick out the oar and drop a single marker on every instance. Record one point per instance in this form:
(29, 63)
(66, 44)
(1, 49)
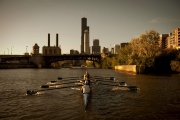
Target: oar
(52, 85)
(97, 76)
(55, 82)
(69, 79)
(72, 77)
(106, 80)
(57, 88)
(59, 78)
(132, 88)
(32, 92)
(109, 78)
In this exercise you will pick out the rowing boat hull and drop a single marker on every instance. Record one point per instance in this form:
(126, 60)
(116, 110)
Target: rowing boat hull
(86, 98)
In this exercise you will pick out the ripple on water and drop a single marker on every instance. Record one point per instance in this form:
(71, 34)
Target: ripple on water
(157, 99)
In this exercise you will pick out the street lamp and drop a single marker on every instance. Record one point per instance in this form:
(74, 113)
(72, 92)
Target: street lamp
(11, 49)
(8, 51)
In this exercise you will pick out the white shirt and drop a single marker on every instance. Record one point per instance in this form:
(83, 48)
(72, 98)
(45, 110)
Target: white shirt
(86, 89)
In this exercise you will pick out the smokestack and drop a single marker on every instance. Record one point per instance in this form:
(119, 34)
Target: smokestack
(48, 39)
(56, 40)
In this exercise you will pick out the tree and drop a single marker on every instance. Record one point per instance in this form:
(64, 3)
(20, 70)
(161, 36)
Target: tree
(145, 48)
(97, 65)
(114, 62)
(89, 64)
(107, 63)
(124, 55)
(175, 63)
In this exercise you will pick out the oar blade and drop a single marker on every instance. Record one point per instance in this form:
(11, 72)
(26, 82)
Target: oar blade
(59, 78)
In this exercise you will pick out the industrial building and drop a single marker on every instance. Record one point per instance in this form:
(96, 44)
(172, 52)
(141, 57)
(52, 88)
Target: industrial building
(51, 50)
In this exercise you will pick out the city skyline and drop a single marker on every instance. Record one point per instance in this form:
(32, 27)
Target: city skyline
(24, 23)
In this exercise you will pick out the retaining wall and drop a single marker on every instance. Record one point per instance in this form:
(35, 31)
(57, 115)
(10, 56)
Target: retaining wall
(131, 68)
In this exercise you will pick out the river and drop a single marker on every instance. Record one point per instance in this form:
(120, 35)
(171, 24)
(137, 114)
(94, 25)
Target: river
(158, 97)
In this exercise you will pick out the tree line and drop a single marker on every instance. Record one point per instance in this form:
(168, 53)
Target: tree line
(144, 50)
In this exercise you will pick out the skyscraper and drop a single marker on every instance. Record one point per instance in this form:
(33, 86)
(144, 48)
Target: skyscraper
(83, 28)
(163, 41)
(171, 40)
(176, 38)
(86, 42)
(96, 49)
(116, 48)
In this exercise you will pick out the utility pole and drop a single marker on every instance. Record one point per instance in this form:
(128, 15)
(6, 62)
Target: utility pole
(11, 49)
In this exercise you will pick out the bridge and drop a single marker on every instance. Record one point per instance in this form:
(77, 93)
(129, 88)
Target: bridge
(46, 60)
(54, 58)
(14, 58)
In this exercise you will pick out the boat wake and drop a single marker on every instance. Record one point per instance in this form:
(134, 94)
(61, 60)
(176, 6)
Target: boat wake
(125, 88)
(119, 88)
(37, 93)
(75, 88)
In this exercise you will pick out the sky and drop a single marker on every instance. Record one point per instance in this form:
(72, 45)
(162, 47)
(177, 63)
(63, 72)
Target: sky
(26, 22)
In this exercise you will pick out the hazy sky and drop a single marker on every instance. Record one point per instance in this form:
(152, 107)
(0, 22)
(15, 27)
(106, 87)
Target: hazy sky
(26, 22)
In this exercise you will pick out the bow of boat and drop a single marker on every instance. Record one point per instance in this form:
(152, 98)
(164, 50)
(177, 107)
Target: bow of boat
(86, 98)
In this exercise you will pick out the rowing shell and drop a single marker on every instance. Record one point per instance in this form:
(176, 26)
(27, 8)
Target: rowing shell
(86, 90)
(86, 98)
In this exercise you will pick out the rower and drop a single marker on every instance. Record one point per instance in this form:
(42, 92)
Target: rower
(85, 88)
(87, 78)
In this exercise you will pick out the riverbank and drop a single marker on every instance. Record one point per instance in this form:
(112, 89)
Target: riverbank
(17, 65)
(139, 69)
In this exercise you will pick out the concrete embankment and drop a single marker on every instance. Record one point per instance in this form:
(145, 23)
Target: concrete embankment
(131, 68)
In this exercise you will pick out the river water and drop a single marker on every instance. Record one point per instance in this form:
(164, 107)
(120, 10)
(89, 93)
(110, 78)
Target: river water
(158, 97)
